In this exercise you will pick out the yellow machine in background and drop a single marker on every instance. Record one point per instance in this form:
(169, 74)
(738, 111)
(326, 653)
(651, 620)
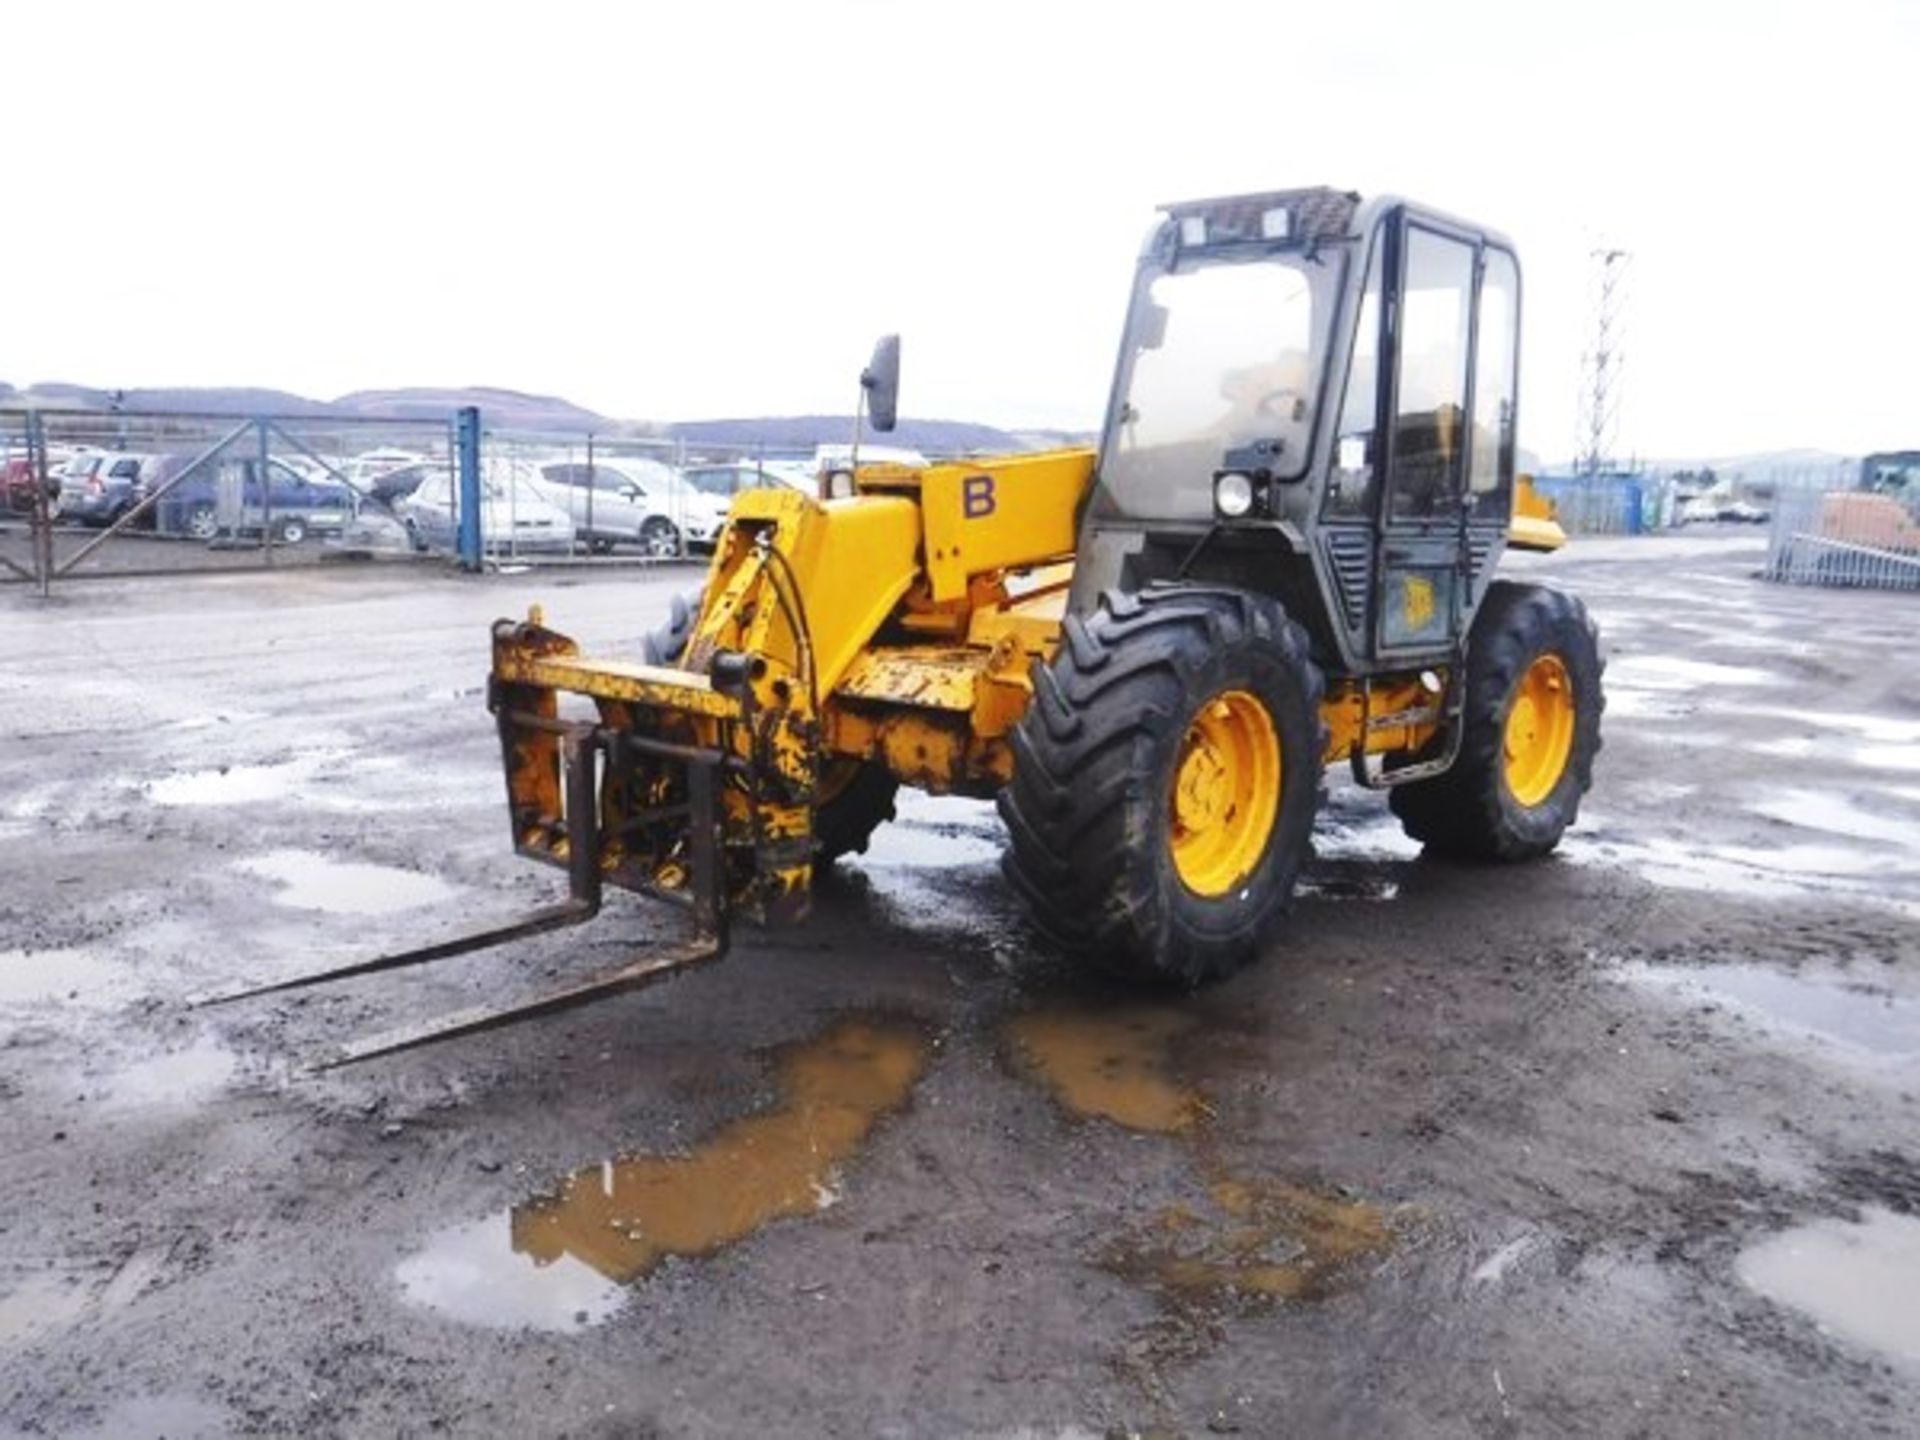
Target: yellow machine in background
(1281, 556)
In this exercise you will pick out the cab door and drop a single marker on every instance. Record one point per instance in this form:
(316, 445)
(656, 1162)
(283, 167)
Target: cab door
(1420, 580)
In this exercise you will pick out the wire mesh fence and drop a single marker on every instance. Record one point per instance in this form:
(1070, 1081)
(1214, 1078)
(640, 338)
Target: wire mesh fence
(1843, 538)
(107, 493)
(118, 493)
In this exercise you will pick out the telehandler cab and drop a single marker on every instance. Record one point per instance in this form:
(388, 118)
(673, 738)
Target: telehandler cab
(1281, 556)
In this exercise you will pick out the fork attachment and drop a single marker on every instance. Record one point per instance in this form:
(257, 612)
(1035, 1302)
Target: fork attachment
(574, 838)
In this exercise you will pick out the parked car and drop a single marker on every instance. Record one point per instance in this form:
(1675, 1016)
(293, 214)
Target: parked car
(17, 478)
(228, 494)
(514, 517)
(631, 501)
(728, 479)
(112, 484)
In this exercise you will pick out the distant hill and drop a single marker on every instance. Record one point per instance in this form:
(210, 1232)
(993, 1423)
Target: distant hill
(509, 409)
(801, 433)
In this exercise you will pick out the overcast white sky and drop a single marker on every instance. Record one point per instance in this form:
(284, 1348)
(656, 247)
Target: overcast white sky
(677, 212)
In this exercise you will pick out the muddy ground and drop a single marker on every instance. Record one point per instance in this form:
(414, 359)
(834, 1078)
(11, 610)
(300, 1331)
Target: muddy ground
(1621, 1143)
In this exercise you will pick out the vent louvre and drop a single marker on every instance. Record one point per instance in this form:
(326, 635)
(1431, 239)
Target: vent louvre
(1349, 560)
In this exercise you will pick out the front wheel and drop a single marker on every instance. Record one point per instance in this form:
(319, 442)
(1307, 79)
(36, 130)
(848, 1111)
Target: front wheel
(202, 522)
(1165, 780)
(291, 531)
(660, 539)
(1530, 728)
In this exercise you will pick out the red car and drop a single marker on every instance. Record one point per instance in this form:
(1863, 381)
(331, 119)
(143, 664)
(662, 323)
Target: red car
(16, 481)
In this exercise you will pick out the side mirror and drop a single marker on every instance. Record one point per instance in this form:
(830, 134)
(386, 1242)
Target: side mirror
(881, 381)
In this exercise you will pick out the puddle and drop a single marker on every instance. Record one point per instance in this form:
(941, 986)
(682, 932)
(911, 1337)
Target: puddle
(178, 1077)
(1333, 885)
(1671, 672)
(1251, 1240)
(1888, 757)
(1112, 1066)
(1363, 837)
(1867, 1024)
(471, 1274)
(311, 881)
(1875, 729)
(38, 1306)
(560, 1261)
(39, 977)
(232, 784)
(1836, 815)
(1855, 1280)
(1785, 873)
(1625, 702)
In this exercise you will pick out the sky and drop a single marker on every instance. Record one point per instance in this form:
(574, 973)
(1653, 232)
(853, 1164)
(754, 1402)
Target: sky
(702, 210)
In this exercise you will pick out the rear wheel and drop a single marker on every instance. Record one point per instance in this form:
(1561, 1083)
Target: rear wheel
(1165, 780)
(202, 522)
(1531, 729)
(292, 531)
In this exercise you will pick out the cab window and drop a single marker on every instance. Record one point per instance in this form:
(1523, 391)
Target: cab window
(1429, 430)
(1496, 359)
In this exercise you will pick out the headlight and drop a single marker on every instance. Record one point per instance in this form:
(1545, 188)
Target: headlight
(1233, 494)
(840, 485)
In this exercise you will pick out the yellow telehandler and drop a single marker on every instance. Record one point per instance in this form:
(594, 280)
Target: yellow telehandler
(1280, 556)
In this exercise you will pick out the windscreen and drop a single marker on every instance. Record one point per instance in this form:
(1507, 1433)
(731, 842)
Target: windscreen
(1220, 355)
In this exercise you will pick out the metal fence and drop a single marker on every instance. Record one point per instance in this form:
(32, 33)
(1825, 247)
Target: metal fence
(93, 493)
(1843, 538)
(1606, 504)
(89, 493)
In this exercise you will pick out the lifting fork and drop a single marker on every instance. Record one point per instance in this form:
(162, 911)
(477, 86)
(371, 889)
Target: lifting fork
(579, 747)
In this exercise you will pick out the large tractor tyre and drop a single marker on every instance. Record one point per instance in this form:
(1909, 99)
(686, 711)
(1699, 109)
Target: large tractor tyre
(856, 798)
(1165, 780)
(1531, 729)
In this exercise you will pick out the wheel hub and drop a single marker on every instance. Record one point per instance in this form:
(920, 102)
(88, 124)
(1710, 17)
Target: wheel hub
(1539, 731)
(1226, 793)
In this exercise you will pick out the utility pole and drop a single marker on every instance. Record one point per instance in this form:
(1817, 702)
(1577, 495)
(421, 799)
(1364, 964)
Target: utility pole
(1600, 381)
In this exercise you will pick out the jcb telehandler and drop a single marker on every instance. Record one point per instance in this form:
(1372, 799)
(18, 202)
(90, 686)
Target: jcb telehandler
(1280, 556)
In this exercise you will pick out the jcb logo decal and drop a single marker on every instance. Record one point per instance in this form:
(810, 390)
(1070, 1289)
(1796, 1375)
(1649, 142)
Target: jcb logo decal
(1416, 600)
(976, 496)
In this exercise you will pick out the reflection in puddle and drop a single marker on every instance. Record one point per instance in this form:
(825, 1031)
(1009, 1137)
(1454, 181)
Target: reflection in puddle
(556, 1262)
(32, 977)
(1785, 872)
(311, 881)
(1111, 1065)
(471, 1273)
(1872, 1024)
(1671, 672)
(1363, 837)
(1252, 1240)
(1857, 1280)
(1837, 815)
(233, 784)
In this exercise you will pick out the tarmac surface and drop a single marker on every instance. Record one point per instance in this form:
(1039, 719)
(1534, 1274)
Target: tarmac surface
(1620, 1143)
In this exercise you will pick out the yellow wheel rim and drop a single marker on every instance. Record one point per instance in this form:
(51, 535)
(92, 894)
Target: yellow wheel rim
(1539, 734)
(1226, 793)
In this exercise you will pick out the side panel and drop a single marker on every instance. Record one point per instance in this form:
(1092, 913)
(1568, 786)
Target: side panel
(1002, 514)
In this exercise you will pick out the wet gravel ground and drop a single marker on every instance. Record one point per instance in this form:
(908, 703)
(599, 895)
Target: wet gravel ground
(1621, 1143)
